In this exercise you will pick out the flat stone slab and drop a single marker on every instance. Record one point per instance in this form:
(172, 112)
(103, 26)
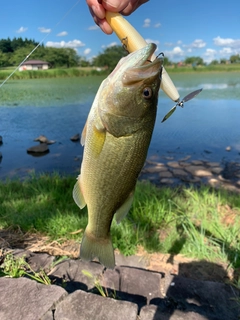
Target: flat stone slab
(26, 299)
(199, 171)
(81, 305)
(138, 293)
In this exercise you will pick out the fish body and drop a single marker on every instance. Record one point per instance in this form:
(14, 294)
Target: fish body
(116, 138)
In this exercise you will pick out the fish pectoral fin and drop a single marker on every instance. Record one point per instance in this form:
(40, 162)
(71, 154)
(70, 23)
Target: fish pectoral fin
(83, 135)
(78, 196)
(98, 139)
(125, 207)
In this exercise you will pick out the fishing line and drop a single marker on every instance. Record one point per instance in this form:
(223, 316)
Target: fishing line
(66, 14)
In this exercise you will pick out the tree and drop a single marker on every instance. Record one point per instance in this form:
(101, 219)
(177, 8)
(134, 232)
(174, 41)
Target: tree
(235, 58)
(20, 54)
(197, 61)
(82, 62)
(5, 45)
(166, 61)
(4, 59)
(61, 57)
(214, 62)
(109, 57)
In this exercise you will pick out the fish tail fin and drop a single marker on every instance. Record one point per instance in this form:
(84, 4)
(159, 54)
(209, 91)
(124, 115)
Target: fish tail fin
(102, 249)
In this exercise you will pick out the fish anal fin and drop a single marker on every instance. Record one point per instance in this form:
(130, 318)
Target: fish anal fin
(78, 196)
(125, 207)
(92, 247)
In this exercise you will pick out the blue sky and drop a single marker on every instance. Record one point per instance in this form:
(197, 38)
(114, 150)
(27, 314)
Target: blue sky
(181, 28)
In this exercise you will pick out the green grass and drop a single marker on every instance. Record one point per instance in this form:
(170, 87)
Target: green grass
(208, 68)
(83, 72)
(200, 223)
(50, 73)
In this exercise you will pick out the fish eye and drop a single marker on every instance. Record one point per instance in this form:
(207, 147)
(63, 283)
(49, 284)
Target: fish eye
(147, 93)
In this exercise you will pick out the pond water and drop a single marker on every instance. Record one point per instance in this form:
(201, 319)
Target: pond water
(58, 108)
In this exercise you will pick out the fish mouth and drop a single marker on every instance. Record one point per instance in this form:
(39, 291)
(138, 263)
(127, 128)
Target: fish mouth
(140, 66)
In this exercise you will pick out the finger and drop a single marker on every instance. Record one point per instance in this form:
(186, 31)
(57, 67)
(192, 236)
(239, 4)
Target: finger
(103, 25)
(132, 6)
(115, 5)
(96, 9)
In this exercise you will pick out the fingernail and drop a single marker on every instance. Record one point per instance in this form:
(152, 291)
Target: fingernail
(112, 3)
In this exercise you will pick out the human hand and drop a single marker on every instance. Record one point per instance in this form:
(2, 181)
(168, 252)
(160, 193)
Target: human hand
(98, 10)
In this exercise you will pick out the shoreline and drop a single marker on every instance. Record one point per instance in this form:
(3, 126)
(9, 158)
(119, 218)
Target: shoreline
(168, 173)
(188, 172)
(81, 72)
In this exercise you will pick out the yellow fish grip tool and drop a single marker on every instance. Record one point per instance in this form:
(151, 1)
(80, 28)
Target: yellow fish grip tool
(133, 41)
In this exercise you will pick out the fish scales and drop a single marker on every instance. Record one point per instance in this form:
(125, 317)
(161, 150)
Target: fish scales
(116, 138)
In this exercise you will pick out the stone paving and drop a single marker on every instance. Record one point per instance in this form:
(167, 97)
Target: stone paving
(131, 291)
(197, 172)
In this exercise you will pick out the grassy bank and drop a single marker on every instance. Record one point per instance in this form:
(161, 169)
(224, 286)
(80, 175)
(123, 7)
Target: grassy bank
(83, 72)
(208, 68)
(200, 223)
(51, 73)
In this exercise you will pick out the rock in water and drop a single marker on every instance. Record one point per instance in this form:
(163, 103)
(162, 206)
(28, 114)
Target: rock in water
(41, 148)
(76, 137)
(43, 139)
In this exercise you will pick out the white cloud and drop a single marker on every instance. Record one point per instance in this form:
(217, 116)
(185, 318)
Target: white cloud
(152, 41)
(21, 30)
(226, 51)
(62, 44)
(175, 54)
(87, 51)
(177, 51)
(171, 44)
(198, 43)
(112, 44)
(209, 55)
(146, 23)
(95, 27)
(62, 34)
(157, 25)
(44, 30)
(227, 42)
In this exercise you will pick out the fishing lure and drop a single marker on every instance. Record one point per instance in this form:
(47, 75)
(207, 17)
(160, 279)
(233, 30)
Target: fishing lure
(181, 104)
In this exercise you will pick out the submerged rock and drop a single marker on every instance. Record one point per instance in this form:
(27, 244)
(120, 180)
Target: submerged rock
(43, 139)
(1, 140)
(75, 138)
(40, 148)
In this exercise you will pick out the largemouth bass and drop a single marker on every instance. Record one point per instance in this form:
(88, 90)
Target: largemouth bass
(116, 138)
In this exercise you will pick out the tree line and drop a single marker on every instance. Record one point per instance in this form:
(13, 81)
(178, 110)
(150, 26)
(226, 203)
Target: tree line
(14, 51)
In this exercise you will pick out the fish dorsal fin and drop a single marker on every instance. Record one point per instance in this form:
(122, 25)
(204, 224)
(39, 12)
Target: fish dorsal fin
(78, 196)
(125, 207)
(83, 135)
